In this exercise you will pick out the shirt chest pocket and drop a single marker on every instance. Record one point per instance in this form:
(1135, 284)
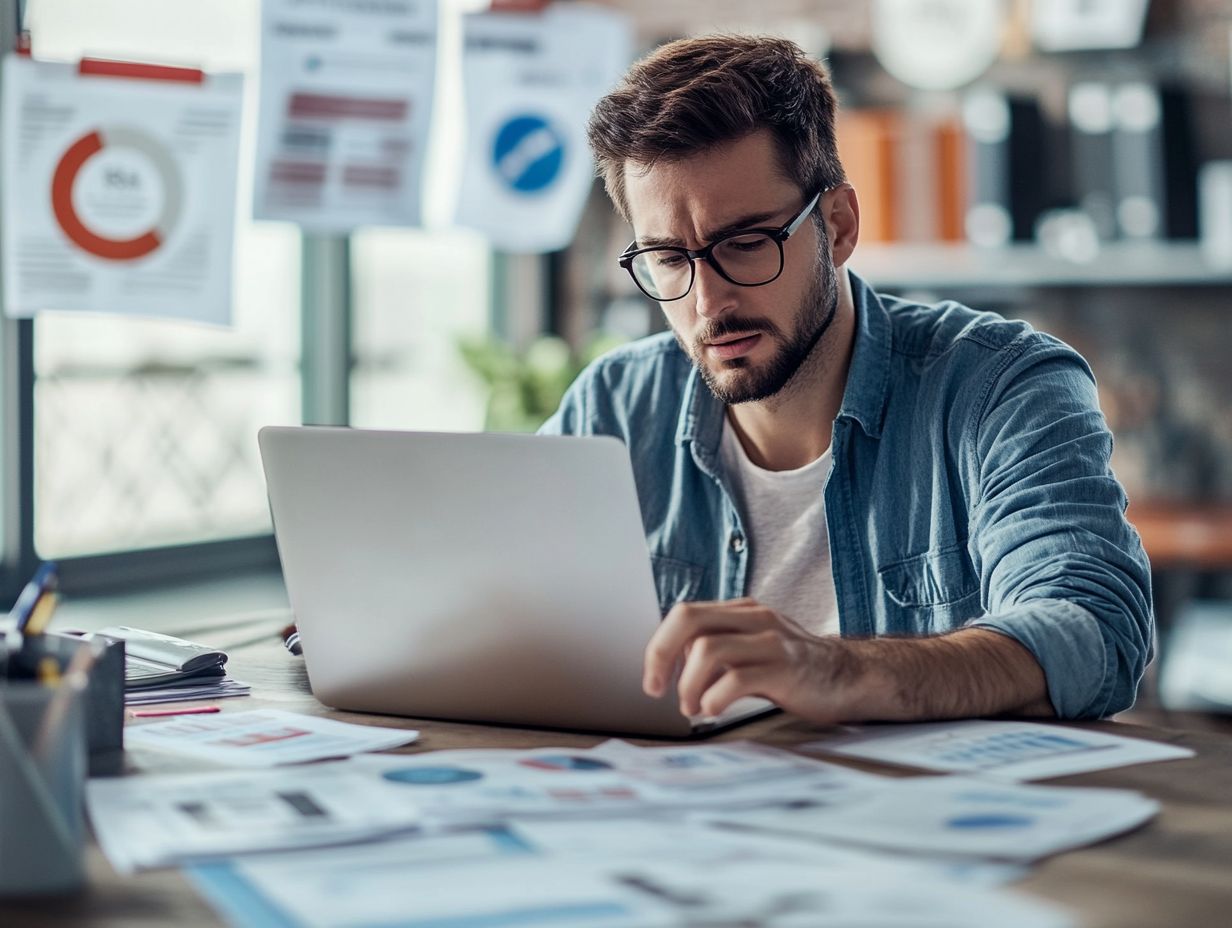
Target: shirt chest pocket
(934, 591)
(675, 581)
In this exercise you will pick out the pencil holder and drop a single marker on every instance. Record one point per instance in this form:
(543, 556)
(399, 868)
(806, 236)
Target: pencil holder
(43, 772)
(104, 696)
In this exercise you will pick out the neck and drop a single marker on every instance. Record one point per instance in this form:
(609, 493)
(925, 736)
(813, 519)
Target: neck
(793, 427)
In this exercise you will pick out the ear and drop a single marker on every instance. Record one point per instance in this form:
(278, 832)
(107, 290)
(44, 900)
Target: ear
(841, 211)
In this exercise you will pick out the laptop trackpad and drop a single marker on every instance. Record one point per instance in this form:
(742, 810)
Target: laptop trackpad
(745, 708)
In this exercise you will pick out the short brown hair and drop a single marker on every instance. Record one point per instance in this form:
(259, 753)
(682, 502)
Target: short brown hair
(692, 94)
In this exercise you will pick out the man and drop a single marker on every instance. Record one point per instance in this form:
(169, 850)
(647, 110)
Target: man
(858, 507)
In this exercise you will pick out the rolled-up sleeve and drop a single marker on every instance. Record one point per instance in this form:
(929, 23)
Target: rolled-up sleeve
(1061, 570)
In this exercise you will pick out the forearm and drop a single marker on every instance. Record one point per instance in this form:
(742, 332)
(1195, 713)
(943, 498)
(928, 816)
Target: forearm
(970, 672)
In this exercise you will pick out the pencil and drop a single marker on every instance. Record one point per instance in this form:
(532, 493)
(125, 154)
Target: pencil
(187, 710)
(40, 615)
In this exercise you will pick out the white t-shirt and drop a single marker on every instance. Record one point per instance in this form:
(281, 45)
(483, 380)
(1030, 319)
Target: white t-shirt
(784, 515)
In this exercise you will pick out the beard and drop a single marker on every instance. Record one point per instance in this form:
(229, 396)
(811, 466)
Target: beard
(746, 383)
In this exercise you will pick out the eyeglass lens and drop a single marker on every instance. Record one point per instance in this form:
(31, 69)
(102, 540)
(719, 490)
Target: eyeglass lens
(667, 274)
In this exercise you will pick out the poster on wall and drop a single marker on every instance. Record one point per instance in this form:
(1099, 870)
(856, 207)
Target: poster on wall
(530, 81)
(346, 100)
(120, 188)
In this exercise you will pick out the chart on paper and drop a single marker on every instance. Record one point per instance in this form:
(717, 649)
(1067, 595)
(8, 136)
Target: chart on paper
(1014, 750)
(1007, 747)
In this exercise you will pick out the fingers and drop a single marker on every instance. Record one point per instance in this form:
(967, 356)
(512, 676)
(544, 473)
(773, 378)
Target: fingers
(687, 621)
(713, 657)
(737, 683)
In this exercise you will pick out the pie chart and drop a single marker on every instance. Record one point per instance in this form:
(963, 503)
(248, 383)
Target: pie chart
(117, 193)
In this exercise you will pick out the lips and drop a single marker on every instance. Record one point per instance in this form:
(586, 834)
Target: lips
(728, 347)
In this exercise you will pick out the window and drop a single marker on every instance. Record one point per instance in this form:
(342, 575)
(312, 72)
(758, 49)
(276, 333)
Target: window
(416, 296)
(144, 430)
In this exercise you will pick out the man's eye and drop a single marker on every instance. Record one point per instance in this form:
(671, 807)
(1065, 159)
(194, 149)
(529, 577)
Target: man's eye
(747, 243)
(670, 259)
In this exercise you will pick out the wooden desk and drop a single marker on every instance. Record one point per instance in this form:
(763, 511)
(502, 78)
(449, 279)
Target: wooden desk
(1177, 870)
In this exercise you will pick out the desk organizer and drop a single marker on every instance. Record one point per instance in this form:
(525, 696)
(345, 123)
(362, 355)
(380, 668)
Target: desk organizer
(104, 696)
(43, 772)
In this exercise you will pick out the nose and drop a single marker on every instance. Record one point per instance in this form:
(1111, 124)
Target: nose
(712, 295)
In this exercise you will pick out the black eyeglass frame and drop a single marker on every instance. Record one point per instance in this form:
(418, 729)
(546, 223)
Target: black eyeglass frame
(777, 235)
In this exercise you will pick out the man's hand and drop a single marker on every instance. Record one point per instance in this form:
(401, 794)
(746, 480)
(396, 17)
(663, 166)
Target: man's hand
(728, 650)
(739, 648)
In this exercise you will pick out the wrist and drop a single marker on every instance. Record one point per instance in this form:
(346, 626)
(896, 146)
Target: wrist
(859, 684)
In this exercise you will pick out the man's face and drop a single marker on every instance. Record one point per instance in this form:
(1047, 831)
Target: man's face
(747, 342)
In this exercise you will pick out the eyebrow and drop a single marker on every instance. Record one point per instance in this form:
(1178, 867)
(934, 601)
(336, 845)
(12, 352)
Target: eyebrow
(752, 220)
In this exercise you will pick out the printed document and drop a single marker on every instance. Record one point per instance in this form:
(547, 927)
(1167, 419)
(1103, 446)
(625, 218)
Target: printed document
(492, 786)
(530, 81)
(696, 840)
(159, 821)
(961, 815)
(264, 737)
(494, 880)
(346, 101)
(1009, 750)
(119, 192)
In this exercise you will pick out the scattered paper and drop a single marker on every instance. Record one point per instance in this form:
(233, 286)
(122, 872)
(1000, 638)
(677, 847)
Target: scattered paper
(484, 878)
(963, 816)
(776, 894)
(493, 880)
(735, 768)
(1010, 750)
(159, 821)
(696, 840)
(493, 786)
(346, 101)
(119, 192)
(264, 737)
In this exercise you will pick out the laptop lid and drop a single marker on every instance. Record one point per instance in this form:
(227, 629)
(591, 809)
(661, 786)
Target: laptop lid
(479, 577)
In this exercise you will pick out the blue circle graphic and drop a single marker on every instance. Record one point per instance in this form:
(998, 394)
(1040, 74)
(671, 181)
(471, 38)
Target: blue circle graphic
(432, 776)
(528, 154)
(991, 820)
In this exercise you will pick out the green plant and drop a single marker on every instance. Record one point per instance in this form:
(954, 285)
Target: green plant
(525, 387)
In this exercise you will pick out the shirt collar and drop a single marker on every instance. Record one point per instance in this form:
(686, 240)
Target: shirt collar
(864, 399)
(868, 378)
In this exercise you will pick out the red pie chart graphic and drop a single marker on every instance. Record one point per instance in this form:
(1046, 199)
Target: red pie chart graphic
(94, 241)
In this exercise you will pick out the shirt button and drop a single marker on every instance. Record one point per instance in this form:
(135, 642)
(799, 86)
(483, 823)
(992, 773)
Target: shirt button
(737, 542)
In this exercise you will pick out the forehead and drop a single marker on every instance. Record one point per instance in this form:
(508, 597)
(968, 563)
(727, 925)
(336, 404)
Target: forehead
(684, 198)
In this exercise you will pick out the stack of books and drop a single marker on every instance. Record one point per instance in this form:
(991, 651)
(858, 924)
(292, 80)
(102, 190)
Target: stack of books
(160, 668)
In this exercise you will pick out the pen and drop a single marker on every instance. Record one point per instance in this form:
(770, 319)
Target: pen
(290, 639)
(40, 615)
(44, 579)
(158, 713)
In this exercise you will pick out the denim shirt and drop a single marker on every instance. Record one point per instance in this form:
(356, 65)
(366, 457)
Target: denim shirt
(970, 486)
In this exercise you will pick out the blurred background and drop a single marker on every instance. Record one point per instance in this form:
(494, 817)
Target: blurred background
(1068, 163)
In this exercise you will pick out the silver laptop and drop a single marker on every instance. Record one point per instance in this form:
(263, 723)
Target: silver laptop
(479, 577)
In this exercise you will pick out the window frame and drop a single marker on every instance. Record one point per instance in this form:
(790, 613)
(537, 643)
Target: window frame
(324, 380)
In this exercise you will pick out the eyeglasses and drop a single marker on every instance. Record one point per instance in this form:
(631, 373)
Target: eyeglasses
(747, 258)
